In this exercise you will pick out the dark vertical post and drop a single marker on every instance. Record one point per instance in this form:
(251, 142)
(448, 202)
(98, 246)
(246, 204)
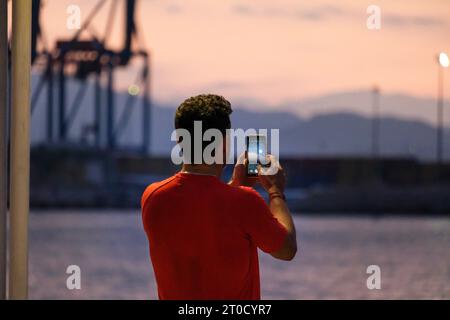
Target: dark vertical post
(4, 116)
(130, 29)
(110, 108)
(97, 109)
(440, 118)
(35, 28)
(376, 122)
(62, 100)
(49, 98)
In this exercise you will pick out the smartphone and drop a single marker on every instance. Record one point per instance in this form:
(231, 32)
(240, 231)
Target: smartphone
(256, 153)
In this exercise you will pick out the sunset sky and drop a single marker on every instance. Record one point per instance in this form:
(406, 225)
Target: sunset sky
(274, 52)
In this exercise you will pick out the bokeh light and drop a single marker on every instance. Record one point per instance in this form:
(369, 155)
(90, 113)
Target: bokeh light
(443, 60)
(133, 90)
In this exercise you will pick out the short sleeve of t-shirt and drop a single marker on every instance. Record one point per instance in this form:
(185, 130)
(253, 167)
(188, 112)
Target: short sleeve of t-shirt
(262, 227)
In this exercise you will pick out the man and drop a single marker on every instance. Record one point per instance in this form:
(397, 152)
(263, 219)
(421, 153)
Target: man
(203, 233)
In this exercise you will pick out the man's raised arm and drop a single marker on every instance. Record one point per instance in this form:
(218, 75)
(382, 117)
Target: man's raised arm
(274, 185)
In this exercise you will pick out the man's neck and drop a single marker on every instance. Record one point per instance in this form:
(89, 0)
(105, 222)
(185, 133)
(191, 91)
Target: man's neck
(204, 169)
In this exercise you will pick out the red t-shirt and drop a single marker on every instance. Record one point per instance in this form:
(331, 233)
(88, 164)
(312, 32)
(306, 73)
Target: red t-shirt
(203, 236)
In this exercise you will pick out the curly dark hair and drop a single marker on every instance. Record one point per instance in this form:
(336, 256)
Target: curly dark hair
(211, 109)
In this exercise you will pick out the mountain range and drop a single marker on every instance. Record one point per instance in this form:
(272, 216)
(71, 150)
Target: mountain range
(332, 125)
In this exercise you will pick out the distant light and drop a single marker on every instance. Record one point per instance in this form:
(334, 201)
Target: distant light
(443, 60)
(133, 90)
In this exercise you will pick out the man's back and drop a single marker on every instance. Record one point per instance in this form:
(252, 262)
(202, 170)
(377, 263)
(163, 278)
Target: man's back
(203, 236)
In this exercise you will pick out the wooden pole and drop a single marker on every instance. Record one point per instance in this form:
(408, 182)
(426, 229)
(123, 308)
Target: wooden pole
(3, 141)
(20, 148)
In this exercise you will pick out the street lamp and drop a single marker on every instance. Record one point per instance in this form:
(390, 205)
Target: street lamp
(443, 63)
(444, 60)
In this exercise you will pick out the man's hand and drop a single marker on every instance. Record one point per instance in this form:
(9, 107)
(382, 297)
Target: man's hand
(240, 177)
(272, 179)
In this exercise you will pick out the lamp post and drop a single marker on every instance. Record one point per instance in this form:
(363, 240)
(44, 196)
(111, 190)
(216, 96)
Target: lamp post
(375, 122)
(443, 63)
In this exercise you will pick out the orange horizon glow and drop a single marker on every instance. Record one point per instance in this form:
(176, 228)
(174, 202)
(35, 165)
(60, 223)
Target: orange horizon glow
(279, 52)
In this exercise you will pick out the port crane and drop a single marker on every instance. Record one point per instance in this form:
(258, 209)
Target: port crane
(89, 59)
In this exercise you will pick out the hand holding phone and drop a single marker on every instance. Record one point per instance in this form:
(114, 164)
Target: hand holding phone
(240, 177)
(272, 178)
